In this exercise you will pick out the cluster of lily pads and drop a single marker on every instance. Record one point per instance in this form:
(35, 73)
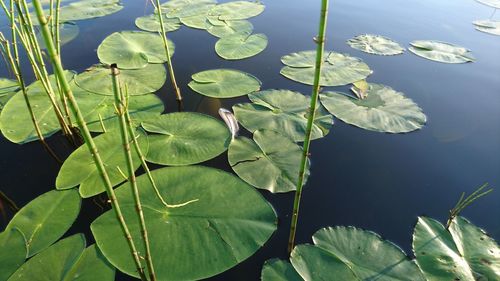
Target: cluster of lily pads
(490, 25)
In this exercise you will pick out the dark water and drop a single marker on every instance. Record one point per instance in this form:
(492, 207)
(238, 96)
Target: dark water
(375, 181)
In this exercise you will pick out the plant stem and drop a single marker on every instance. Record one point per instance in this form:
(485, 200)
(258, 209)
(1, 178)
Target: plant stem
(121, 108)
(320, 41)
(59, 71)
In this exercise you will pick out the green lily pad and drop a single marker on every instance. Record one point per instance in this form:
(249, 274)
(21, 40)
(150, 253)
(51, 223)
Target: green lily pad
(66, 260)
(46, 218)
(224, 83)
(237, 10)
(8, 89)
(12, 252)
(279, 270)
(269, 161)
(89, 9)
(97, 79)
(185, 138)
(383, 110)
(187, 8)
(440, 51)
(79, 167)
(151, 23)
(229, 222)
(197, 21)
(464, 252)
(242, 45)
(140, 108)
(282, 111)
(375, 44)
(220, 28)
(488, 26)
(67, 32)
(337, 69)
(492, 3)
(133, 49)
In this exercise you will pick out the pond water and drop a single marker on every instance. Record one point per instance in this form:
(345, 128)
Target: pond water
(380, 182)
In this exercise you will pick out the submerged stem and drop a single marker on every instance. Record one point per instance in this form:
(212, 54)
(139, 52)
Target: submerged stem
(320, 41)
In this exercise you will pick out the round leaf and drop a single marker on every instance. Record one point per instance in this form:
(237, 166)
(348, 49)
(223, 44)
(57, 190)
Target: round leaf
(46, 218)
(269, 161)
(79, 167)
(279, 270)
(282, 111)
(97, 79)
(151, 23)
(91, 265)
(67, 32)
(375, 44)
(488, 26)
(440, 51)
(12, 252)
(224, 83)
(337, 69)
(240, 45)
(383, 110)
(187, 8)
(229, 221)
(197, 21)
(133, 49)
(7, 90)
(88, 9)
(220, 28)
(185, 138)
(237, 10)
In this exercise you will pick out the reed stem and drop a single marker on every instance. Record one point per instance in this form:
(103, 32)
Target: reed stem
(320, 41)
(59, 71)
(121, 108)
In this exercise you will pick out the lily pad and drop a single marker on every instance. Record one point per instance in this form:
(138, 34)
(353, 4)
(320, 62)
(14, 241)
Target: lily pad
(151, 23)
(12, 252)
(79, 167)
(375, 44)
(492, 3)
(383, 110)
(229, 222)
(66, 260)
(337, 69)
(67, 32)
(282, 111)
(89, 9)
(440, 51)
(140, 108)
(97, 79)
(464, 252)
(224, 83)
(185, 138)
(187, 8)
(488, 26)
(241, 45)
(8, 89)
(237, 10)
(133, 49)
(46, 218)
(269, 161)
(220, 28)
(197, 21)
(279, 270)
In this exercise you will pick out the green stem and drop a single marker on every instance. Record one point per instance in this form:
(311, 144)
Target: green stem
(121, 108)
(59, 71)
(320, 41)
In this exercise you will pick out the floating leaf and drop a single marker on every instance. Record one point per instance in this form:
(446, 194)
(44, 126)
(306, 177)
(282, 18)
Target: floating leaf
(440, 51)
(133, 49)
(140, 108)
(185, 138)
(67, 32)
(492, 3)
(229, 221)
(375, 44)
(220, 28)
(79, 167)
(97, 79)
(7, 90)
(224, 83)
(488, 26)
(237, 10)
(187, 8)
(240, 45)
(465, 252)
(152, 24)
(88, 9)
(279, 270)
(197, 21)
(46, 218)
(12, 252)
(383, 110)
(269, 161)
(337, 69)
(66, 260)
(282, 111)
